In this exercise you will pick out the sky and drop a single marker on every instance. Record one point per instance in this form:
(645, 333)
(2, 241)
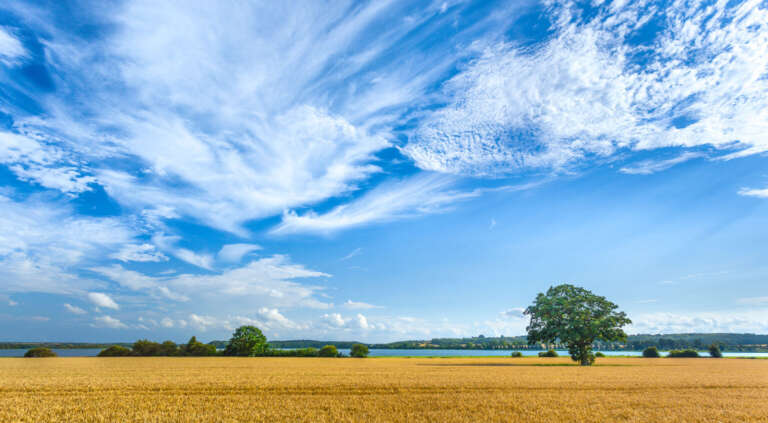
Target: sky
(380, 170)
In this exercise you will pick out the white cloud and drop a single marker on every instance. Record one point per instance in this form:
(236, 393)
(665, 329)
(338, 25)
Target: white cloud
(166, 322)
(750, 192)
(582, 94)
(334, 320)
(42, 245)
(269, 280)
(167, 243)
(139, 252)
(12, 303)
(200, 260)
(358, 305)
(754, 321)
(109, 322)
(30, 159)
(393, 200)
(206, 322)
(233, 253)
(102, 300)
(11, 49)
(515, 312)
(138, 282)
(273, 319)
(647, 167)
(74, 309)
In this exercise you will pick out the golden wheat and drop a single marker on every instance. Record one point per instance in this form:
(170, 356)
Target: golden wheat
(381, 390)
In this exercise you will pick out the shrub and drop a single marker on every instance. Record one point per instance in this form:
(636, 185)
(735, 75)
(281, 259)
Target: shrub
(328, 351)
(40, 352)
(599, 354)
(195, 348)
(307, 352)
(714, 351)
(550, 353)
(359, 351)
(683, 354)
(651, 352)
(516, 354)
(115, 351)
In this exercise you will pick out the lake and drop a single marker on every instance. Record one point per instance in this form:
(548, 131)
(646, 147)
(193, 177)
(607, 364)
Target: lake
(91, 352)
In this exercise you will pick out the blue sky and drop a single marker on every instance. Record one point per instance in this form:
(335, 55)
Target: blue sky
(378, 170)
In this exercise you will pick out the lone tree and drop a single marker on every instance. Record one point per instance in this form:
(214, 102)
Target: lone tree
(247, 341)
(577, 318)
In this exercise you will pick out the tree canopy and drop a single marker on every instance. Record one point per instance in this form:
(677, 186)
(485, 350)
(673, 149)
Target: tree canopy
(247, 341)
(576, 317)
(359, 350)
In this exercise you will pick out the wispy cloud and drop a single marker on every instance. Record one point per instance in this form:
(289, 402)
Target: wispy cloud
(234, 253)
(140, 253)
(11, 49)
(411, 197)
(590, 90)
(353, 253)
(647, 167)
(359, 305)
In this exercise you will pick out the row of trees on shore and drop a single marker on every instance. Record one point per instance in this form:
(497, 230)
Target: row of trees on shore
(246, 341)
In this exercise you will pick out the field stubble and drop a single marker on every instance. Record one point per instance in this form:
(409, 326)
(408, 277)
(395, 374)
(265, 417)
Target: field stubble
(381, 389)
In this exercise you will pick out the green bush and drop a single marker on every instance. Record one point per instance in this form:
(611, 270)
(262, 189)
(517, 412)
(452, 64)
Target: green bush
(195, 348)
(359, 351)
(328, 351)
(115, 351)
(651, 352)
(599, 354)
(516, 354)
(683, 354)
(550, 353)
(714, 351)
(40, 352)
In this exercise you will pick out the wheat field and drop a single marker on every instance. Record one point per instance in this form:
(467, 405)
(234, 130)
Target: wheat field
(381, 390)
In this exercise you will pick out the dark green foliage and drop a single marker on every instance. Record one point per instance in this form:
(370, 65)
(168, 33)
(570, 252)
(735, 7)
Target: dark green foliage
(599, 355)
(247, 341)
(299, 352)
(328, 351)
(40, 352)
(306, 343)
(516, 354)
(550, 353)
(195, 348)
(147, 348)
(683, 354)
(714, 351)
(359, 351)
(575, 317)
(651, 352)
(115, 351)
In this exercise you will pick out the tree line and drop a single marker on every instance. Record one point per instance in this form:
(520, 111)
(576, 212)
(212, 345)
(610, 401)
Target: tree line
(246, 341)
